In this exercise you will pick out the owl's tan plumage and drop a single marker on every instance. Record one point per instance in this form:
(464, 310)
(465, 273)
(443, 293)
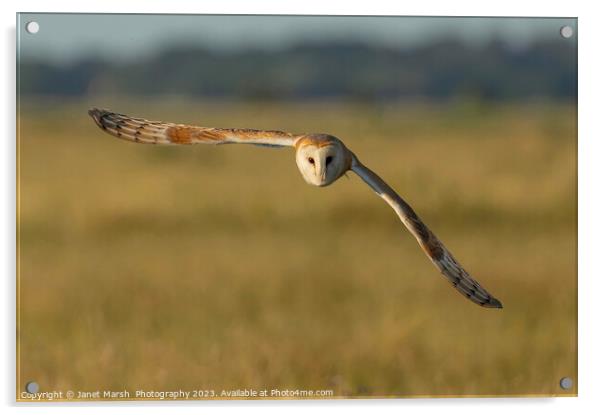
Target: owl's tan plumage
(321, 159)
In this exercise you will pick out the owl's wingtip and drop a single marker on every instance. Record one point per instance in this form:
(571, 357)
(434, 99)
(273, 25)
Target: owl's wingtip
(494, 303)
(97, 114)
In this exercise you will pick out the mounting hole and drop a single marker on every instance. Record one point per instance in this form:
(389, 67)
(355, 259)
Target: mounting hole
(32, 27)
(32, 387)
(566, 32)
(566, 383)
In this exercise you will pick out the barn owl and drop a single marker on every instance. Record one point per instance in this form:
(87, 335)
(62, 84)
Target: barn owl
(321, 159)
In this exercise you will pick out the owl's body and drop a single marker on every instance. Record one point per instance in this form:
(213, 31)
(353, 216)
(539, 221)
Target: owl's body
(321, 158)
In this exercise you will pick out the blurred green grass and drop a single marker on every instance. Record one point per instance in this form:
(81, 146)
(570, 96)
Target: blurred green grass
(218, 268)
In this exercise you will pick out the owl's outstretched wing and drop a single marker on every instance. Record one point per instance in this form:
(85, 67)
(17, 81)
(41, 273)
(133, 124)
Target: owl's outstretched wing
(156, 132)
(434, 249)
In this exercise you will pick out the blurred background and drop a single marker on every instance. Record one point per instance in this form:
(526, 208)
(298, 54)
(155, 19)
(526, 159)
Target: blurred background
(202, 267)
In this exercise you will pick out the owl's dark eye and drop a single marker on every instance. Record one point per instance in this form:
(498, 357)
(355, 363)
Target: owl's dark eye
(328, 160)
(311, 160)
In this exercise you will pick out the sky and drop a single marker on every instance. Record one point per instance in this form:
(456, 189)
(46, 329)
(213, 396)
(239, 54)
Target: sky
(64, 38)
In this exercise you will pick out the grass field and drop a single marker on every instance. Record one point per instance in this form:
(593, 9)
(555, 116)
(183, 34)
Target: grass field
(218, 268)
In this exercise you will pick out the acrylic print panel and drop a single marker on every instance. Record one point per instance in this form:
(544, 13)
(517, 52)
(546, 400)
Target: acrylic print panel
(154, 264)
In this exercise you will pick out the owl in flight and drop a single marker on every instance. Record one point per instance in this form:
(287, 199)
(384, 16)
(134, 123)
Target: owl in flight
(321, 159)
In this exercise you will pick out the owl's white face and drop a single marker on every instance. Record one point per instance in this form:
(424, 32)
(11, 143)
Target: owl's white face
(321, 162)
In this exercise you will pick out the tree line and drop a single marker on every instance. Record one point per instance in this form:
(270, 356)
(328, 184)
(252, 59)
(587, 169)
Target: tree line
(441, 70)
